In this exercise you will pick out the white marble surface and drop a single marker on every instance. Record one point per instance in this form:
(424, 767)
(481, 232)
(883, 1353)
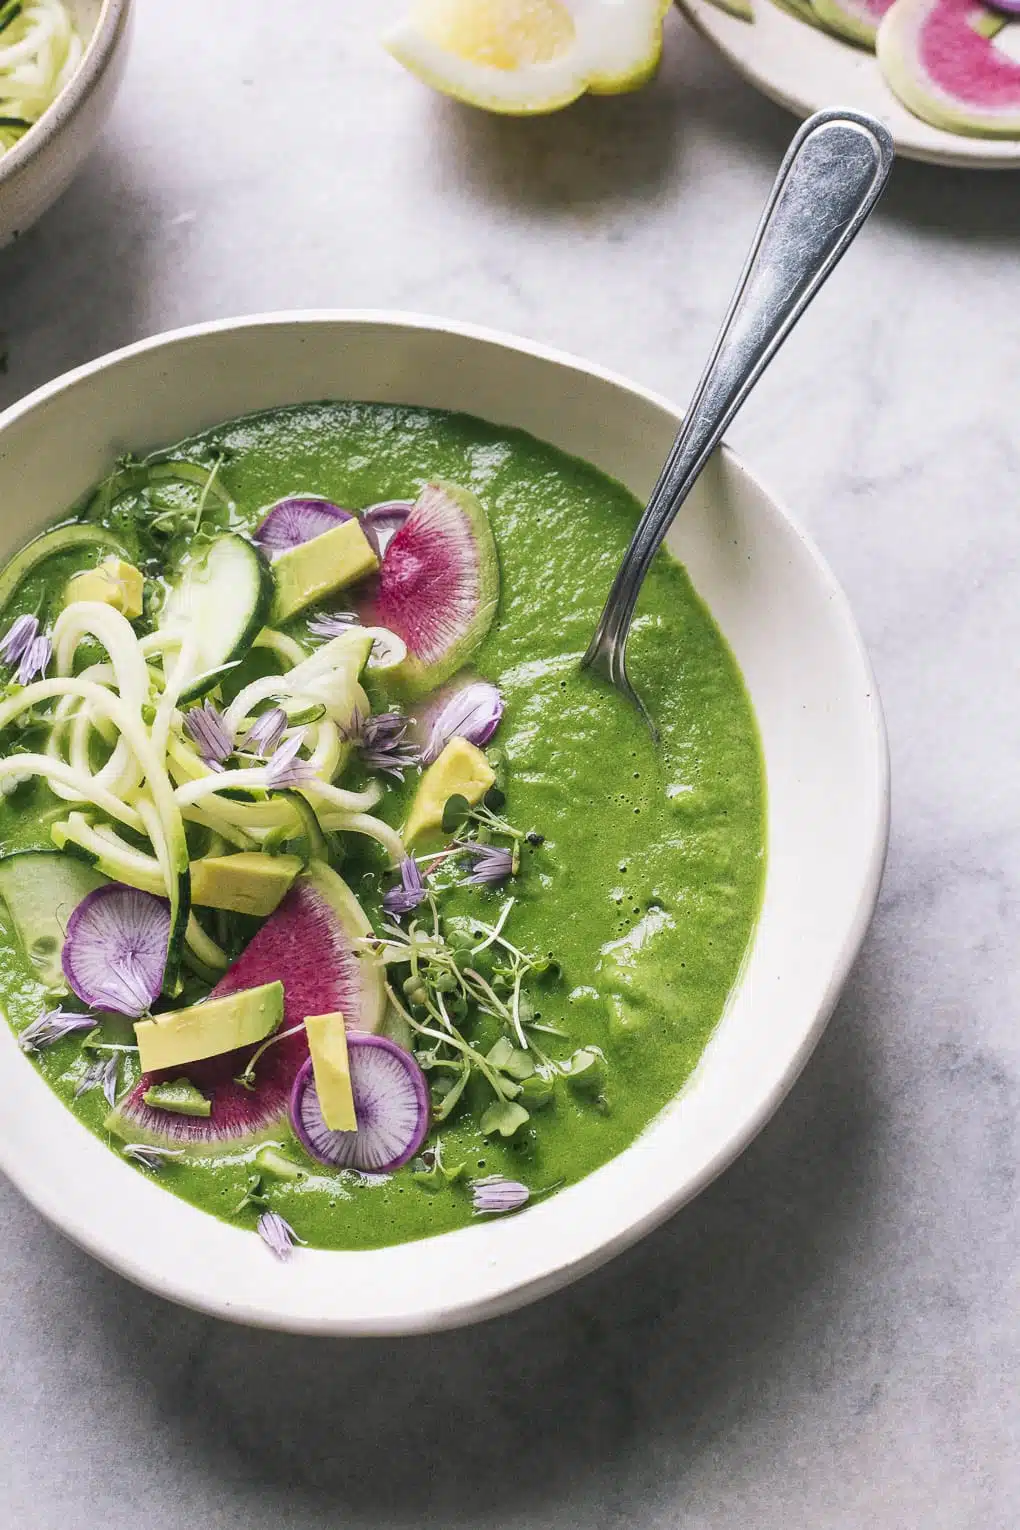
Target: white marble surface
(829, 1337)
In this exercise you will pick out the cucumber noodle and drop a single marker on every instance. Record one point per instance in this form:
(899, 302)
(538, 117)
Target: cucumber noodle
(118, 743)
(40, 50)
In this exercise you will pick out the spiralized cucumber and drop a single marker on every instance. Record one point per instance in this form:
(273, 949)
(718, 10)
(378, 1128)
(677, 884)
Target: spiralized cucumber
(39, 51)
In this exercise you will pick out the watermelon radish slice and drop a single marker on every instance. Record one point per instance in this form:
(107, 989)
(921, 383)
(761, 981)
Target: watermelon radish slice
(391, 1103)
(307, 944)
(940, 59)
(437, 588)
(856, 20)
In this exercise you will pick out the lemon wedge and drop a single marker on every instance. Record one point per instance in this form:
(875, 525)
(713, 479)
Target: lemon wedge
(523, 57)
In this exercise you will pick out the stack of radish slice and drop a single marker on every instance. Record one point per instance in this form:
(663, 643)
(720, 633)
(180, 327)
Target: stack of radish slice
(948, 61)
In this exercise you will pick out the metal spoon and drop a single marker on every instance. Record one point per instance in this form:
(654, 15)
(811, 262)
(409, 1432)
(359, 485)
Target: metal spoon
(833, 175)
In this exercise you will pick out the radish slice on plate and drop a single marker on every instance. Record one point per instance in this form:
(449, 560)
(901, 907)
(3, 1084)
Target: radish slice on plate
(115, 950)
(294, 521)
(391, 1102)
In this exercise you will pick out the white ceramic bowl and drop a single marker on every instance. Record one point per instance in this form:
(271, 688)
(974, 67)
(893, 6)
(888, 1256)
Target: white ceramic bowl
(825, 750)
(43, 163)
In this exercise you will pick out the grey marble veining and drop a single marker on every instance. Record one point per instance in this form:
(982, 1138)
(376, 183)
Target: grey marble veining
(828, 1338)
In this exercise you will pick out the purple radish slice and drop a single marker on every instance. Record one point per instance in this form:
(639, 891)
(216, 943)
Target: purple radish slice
(294, 521)
(856, 20)
(391, 1103)
(115, 949)
(308, 943)
(437, 587)
(380, 523)
(939, 57)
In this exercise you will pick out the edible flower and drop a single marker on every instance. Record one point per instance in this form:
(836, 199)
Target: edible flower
(335, 625)
(24, 646)
(34, 660)
(401, 900)
(496, 1195)
(382, 743)
(101, 1074)
(115, 950)
(264, 736)
(473, 713)
(20, 635)
(206, 726)
(278, 1235)
(52, 1026)
(492, 864)
(149, 1154)
(284, 769)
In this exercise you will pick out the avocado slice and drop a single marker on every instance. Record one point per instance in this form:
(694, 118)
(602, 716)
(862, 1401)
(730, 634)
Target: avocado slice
(460, 771)
(327, 1042)
(316, 568)
(114, 583)
(246, 883)
(209, 1029)
(180, 1097)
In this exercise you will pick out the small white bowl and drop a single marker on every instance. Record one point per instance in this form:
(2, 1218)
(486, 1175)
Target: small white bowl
(44, 162)
(825, 750)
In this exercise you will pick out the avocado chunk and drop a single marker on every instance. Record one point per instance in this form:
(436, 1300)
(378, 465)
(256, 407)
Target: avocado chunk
(209, 1029)
(246, 883)
(41, 890)
(180, 1097)
(114, 582)
(316, 568)
(327, 1042)
(460, 771)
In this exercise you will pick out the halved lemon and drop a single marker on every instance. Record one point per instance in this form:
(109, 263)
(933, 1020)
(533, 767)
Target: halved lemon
(524, 57)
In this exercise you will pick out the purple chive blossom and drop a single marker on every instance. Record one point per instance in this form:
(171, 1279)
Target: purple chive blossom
(284, 769)
(53, 1026)
(21, 634)
(205, 725)
(264, 735)
(104, 1075)
(382, 743)
(491, 865)
(34, 660)
(278, 1235)
(335, 625)
(149, 1155)
(472, 713)
(403, 899)
(494, 1195)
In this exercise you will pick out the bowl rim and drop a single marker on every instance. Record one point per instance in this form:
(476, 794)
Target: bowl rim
(99, 50)
(460, 1310)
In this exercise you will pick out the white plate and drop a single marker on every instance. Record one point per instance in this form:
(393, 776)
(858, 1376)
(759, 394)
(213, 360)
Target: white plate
(807, 70)
(828, 793)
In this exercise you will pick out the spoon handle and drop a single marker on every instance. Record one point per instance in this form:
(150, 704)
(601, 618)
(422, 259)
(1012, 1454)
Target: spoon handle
(833, 175)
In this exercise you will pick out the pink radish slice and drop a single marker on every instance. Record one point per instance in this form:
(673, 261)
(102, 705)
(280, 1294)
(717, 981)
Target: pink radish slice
(306, 946)
(438, 586)
(294, 521)
(391, 1102)
(114, 952)
(940, 59)
(380, 523)
(857, 20)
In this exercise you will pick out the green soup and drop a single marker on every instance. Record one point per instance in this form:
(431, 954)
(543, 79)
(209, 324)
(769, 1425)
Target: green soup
(641, 878)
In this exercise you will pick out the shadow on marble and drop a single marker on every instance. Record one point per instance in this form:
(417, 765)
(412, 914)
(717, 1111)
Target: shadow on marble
(75, 284)
(660, 1351)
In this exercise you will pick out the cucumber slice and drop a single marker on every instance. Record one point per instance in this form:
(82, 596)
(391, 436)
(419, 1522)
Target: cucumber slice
(41, 889)
(222, 597)
(58, 540)
(133, 477)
